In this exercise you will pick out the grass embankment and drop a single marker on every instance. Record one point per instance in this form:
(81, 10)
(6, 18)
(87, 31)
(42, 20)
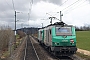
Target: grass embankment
(83, 40)
(11, 48)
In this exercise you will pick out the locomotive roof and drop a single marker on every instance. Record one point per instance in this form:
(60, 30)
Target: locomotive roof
(41, 29)
(62, 24)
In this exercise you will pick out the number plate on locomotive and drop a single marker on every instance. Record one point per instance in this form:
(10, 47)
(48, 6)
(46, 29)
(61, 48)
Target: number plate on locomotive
(64, 40)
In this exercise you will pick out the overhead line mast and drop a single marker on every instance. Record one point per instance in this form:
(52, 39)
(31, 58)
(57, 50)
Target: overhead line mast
(61, 16)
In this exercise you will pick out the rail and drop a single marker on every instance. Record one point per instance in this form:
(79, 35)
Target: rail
(30, 52)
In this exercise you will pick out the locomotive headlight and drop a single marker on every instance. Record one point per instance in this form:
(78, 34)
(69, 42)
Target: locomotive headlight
(55, 43)
(71, 40)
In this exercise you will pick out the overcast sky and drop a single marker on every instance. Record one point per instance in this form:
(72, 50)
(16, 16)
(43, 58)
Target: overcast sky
(75, 12)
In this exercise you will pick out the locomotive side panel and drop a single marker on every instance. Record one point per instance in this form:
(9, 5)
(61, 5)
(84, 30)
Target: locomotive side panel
(48, 36)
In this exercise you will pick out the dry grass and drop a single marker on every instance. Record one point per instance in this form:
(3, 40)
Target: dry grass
(7, 41)
(6, 38)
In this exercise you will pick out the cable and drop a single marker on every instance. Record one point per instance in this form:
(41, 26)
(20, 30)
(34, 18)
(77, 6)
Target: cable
(71, 5)
(60, 5)
(8, 4)
(64, 2)
(80, 5)
(5, 18)
(32, 1)
(30, 7)
(55, 8)
(13, 5)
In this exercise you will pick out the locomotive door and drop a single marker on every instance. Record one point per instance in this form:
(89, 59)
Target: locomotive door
(45, 37)
(50, 37)
(40, 35)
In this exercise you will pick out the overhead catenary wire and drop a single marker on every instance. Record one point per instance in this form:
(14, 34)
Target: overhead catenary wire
(52, 16)
(64, 2)
(13, 5)
(56, 8)
(71, 5)
(8, 4)
(80, 4)
(31, 2)
(60, 5)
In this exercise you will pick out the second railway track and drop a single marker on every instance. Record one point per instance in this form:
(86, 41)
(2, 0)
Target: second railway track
(30, 52)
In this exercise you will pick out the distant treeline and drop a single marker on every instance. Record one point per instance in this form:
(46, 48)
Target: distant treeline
(83, 28)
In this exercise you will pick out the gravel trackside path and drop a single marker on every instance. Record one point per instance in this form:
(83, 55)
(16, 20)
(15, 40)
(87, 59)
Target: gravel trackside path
(85, 52)
(19, 52)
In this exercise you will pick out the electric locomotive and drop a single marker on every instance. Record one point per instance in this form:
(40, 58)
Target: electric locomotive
(59, 38)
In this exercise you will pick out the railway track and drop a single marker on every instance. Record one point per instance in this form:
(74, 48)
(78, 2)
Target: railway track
(57, 57)
(30, 52)
(74, 57)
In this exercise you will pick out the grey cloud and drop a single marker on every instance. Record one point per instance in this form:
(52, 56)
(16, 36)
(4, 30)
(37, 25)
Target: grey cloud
(35, 1)
(18, 25)
(7, 13)
(33, 16)
(57, 2)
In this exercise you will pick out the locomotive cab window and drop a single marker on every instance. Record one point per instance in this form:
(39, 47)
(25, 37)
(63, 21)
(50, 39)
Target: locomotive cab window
(63, 31)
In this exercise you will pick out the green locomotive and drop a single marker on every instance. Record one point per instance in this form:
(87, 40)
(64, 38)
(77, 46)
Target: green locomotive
(59, 39)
